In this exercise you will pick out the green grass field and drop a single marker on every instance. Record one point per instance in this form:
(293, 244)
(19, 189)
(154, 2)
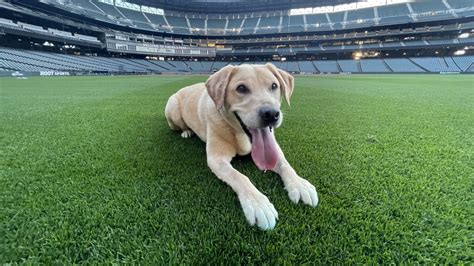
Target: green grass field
(91, 173)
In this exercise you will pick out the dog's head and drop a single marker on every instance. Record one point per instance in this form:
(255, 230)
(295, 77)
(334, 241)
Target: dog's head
(252, 92)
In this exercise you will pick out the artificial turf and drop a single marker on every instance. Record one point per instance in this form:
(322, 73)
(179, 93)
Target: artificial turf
(91, 173)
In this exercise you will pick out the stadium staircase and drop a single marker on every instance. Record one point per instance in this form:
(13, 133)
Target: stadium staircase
(418, 65)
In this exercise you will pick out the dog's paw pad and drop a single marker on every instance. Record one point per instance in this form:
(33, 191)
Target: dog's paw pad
(302, 190)
(186, 133)
(259, 211)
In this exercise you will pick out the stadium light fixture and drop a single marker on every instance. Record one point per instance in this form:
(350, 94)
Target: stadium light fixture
(463, 35)
(357, 55)
(48, 44)
(460, 52)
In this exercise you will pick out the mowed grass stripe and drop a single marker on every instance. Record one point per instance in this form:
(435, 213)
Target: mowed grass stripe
(92, 173)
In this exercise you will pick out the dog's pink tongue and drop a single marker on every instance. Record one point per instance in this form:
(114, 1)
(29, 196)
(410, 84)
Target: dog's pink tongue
(264, 149)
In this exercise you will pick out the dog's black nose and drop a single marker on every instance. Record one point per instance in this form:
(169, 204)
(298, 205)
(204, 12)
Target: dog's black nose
(269, 115)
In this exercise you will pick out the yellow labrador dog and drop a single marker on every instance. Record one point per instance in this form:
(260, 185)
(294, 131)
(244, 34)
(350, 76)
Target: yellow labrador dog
(236, 112)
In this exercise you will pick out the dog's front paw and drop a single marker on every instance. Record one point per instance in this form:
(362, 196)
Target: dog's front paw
(259, 210)
(301, 189)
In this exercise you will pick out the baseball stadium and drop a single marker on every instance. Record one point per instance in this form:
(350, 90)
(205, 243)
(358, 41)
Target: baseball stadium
(381, 122)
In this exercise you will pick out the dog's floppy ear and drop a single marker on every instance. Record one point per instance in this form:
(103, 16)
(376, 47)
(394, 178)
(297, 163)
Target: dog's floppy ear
(286, 81)
(217, 83)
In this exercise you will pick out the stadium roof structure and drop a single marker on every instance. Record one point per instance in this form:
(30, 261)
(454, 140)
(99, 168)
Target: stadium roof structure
(235, 6)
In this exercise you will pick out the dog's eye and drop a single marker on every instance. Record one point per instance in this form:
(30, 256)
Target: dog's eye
(242, 89)
(274, 86)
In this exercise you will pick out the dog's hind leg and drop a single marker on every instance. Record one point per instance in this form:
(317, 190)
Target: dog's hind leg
(173, 114)
(187, 133)
(175, 118)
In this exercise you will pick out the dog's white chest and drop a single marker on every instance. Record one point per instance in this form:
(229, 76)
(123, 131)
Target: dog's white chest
(243, 144)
